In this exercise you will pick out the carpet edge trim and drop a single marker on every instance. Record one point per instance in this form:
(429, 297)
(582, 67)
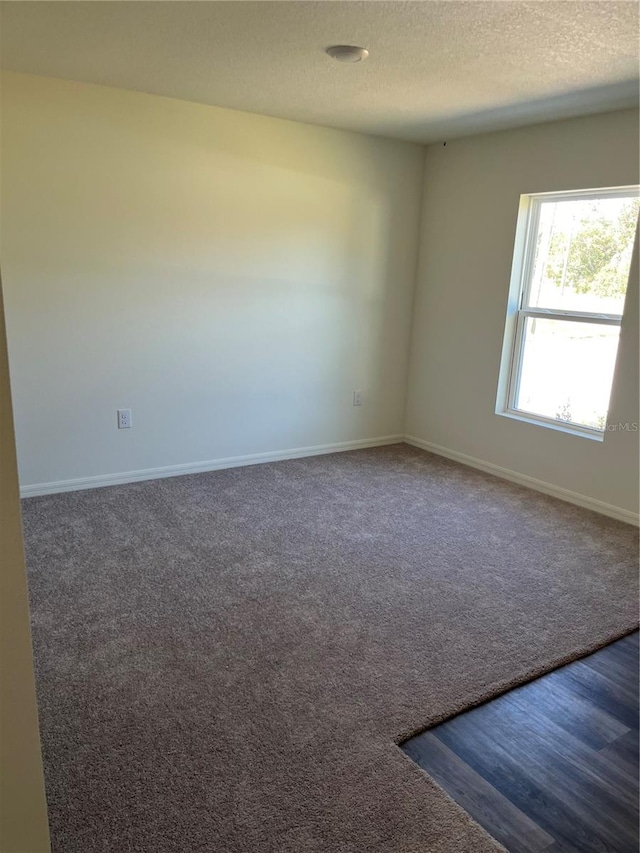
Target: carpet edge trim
(584, 501)
(121, 478)
(501, 688)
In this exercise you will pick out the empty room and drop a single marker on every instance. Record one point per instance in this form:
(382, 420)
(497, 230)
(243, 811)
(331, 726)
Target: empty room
(320, 426)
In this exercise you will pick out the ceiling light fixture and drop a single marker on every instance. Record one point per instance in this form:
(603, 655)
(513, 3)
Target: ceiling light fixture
(347, 53)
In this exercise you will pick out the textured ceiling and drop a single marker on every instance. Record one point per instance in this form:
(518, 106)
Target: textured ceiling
(437, 69)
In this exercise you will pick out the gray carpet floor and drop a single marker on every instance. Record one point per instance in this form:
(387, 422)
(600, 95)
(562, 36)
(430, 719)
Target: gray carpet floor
(226, 661)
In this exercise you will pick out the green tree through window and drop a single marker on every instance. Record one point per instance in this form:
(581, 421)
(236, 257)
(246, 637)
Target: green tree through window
(594, 257)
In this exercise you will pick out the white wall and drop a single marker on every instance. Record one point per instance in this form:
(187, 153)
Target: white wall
(23, 809)
(471, 192)
(231, 278)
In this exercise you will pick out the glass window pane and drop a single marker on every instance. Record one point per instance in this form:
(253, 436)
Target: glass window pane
(567, 370)
(583, 254)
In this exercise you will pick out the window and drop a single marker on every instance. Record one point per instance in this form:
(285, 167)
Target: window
(569, 280)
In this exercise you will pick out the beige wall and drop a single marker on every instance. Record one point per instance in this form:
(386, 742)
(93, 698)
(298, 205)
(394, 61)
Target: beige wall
(233, 278)
(23, 815)
(471, 192)
(229, 277)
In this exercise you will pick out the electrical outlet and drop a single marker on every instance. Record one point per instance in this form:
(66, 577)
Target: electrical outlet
(357, 398)
(124, 418)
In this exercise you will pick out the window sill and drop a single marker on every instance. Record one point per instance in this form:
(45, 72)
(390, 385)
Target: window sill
(558, 426)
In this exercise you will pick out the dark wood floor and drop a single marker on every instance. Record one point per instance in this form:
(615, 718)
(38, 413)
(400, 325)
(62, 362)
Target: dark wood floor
(552, 765)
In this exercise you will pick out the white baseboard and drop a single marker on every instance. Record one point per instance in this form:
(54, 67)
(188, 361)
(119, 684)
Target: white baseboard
(200, 467)
(300, 452)
(531, 482)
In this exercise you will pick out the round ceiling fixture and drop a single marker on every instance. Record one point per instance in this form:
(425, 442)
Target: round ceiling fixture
(347, 53)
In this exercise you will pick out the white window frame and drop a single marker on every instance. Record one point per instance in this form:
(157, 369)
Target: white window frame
(518, 309)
